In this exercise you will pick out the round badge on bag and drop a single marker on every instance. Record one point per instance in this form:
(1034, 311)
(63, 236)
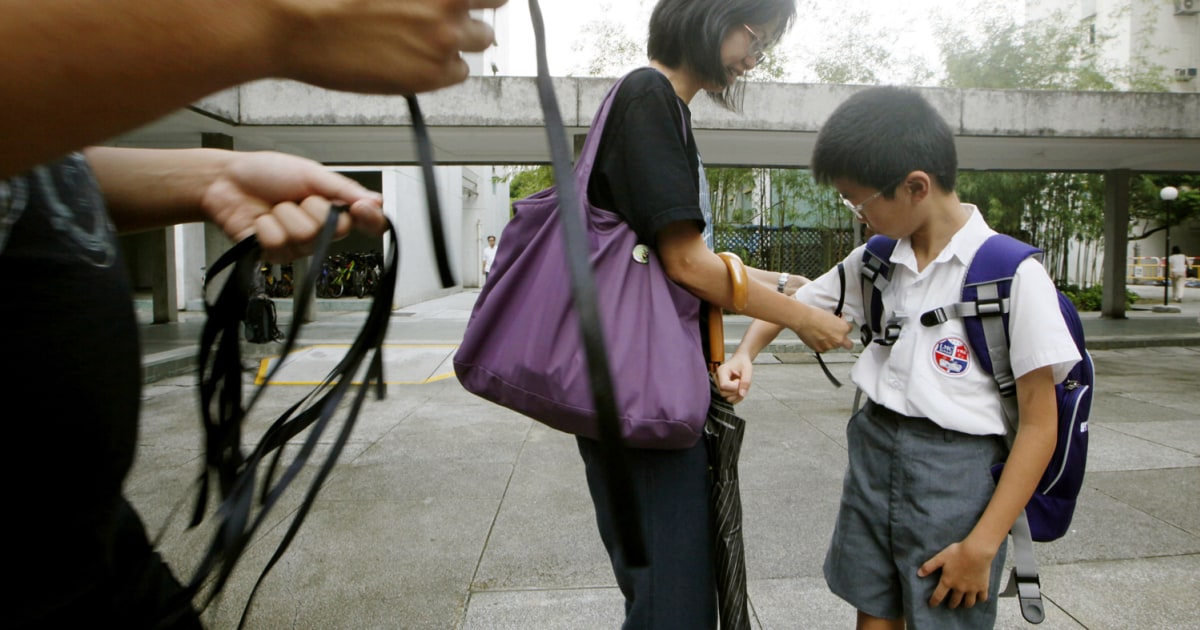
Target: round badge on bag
(641, 254)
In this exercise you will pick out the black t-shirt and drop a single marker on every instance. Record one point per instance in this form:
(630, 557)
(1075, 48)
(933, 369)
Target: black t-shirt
(70, 380)
(647, 167)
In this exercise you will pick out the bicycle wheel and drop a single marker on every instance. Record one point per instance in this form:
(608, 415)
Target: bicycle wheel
(372, 280)
(360, 284)
(323, 290)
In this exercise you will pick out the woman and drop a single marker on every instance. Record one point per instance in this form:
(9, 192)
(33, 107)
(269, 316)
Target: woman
(648, 171)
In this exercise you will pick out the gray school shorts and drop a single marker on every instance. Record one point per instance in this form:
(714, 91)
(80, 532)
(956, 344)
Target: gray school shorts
(911, 489)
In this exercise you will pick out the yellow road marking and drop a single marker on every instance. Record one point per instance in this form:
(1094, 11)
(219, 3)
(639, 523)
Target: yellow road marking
(265, 366)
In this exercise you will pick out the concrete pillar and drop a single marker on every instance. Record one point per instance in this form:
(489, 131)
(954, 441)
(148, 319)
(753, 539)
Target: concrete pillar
(1116, 242)
(162, 282)
(162, 250)
(305, 312)
(577, 149)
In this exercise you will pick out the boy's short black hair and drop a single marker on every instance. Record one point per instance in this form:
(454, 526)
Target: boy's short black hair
(689, 33)
(881, 134)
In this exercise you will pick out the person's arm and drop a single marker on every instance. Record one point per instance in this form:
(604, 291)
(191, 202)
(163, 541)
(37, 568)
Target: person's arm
(771, 279)
(735, 375)
(689, 262)
(965, 565)
(281, 198)
(78, 72)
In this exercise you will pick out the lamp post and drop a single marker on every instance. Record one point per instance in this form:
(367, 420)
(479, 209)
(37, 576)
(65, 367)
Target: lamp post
(1167, 194)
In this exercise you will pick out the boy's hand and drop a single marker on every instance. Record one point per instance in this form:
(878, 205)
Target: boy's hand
(733, 378)
(966, 572)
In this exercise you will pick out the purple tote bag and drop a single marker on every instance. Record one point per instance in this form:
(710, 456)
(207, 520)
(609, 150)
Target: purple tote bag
(523, 349)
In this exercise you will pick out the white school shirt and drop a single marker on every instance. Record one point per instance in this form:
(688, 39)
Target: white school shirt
(489, 255)
(1178, 264)
(932, 372)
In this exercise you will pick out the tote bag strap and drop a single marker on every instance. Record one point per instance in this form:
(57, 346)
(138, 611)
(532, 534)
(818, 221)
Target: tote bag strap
(591, 144)
(583, 292)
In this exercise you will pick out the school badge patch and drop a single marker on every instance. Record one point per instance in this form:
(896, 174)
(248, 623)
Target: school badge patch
(952, 356)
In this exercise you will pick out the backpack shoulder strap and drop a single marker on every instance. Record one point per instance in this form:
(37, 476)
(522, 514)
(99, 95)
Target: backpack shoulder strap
(984, 309)
(987, 289)
(985, 305)
(876, 274)
(985, 300)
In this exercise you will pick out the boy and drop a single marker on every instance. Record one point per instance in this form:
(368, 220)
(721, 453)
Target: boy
(920, 534)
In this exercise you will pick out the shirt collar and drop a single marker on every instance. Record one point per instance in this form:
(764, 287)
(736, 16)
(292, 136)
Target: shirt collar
(962, 245)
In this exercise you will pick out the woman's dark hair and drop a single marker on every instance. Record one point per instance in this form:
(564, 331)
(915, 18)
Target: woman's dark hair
(881, 134)
(689, 33)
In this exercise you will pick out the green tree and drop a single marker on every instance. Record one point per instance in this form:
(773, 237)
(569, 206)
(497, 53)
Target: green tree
(1150, 214)
(610, 48)
(1049, 54)
(729, 189)
(1059, 212)
(804, 202)
(527, 180)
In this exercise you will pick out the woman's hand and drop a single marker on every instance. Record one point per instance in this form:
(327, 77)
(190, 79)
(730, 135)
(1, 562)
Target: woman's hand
(824, 331)
(733, 378)
(384, 46)
(284, 200)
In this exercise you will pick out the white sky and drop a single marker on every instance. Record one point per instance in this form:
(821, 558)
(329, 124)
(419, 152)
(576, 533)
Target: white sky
(905, 26)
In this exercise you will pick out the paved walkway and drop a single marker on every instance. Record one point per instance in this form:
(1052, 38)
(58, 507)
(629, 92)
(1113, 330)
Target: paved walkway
(448, 512)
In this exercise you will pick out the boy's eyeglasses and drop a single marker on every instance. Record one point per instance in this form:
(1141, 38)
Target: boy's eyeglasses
(757, 47)
(858, 210)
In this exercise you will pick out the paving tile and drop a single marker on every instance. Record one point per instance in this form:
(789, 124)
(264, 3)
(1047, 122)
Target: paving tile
(545, 609)
(1152, 592)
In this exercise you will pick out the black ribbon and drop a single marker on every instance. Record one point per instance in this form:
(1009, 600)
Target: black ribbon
(223, 412)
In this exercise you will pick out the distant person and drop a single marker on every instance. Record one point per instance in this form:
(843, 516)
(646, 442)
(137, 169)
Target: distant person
(79, 72)
(920, 535)
(1178, 264)
(489, 256)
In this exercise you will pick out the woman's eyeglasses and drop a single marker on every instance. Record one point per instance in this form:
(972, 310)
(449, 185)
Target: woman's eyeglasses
(757, 47)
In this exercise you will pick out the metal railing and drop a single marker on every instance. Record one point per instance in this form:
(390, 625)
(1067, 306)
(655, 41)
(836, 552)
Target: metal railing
(1153, 269)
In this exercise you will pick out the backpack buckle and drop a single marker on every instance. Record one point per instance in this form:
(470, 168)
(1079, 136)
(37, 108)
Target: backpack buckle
(933, 318)
(1006, 383)
(891, 332)
(989, 306)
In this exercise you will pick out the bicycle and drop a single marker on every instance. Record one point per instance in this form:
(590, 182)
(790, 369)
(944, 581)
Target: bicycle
(366, 273)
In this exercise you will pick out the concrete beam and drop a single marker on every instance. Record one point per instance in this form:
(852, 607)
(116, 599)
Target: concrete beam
(497, 120)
